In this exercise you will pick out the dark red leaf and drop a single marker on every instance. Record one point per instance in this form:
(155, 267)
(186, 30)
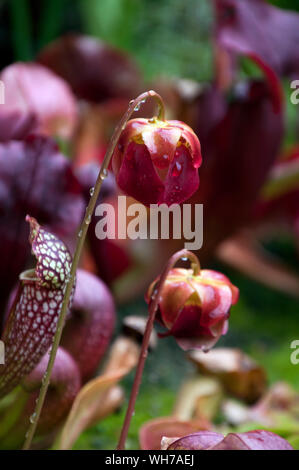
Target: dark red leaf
(88, 332)
(36, 179)
(95, 71)
(259, 30)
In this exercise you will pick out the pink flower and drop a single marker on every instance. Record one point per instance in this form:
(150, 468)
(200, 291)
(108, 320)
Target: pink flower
(32, 88)
(195, 308)
(157, 161)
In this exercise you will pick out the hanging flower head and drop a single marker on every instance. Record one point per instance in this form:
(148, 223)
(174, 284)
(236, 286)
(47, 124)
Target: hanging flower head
(195, 307)
(157, 161)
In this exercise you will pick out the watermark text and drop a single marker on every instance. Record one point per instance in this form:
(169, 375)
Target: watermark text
(158, 222)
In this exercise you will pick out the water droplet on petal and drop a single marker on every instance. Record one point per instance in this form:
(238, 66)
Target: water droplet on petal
(177, 169)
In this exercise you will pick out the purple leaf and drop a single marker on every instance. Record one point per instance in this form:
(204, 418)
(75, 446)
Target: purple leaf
(36, 179)
(253, 440)
(265, 33)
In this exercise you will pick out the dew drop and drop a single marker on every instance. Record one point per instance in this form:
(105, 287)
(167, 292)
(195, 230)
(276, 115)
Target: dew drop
(184, 258)
(91, 191)
(80, 234)
(32, 418)
(137, 107)
(177, 169)
(103, 174)
(88, 219)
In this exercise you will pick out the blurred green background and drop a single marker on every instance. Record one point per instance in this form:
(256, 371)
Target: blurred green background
(167, 37)
(171, 38)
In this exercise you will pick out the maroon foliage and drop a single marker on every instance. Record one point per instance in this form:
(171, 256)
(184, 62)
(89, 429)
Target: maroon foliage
(95, 71)
(36, 179)
(265, 33)
(89, 330)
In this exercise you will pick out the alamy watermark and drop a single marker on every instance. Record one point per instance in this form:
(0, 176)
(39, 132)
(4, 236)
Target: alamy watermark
(295, 94)
(2, 353)
(135, 221)
(294, 357)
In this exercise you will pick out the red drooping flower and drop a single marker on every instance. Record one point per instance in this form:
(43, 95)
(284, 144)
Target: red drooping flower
(195, 308)
(157, 161)
(207, 440)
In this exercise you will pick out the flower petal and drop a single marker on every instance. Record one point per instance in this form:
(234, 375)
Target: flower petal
(182, 179)
(137, 176)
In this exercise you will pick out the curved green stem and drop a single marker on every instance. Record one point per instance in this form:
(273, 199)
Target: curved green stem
(80, 243)
(147, 334)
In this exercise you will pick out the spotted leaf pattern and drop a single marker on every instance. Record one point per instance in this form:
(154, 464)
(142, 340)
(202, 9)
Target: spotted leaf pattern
(53, 258)
(33, 317)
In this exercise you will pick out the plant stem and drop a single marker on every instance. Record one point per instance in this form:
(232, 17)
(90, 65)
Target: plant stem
(149, 327)
(81, 239)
